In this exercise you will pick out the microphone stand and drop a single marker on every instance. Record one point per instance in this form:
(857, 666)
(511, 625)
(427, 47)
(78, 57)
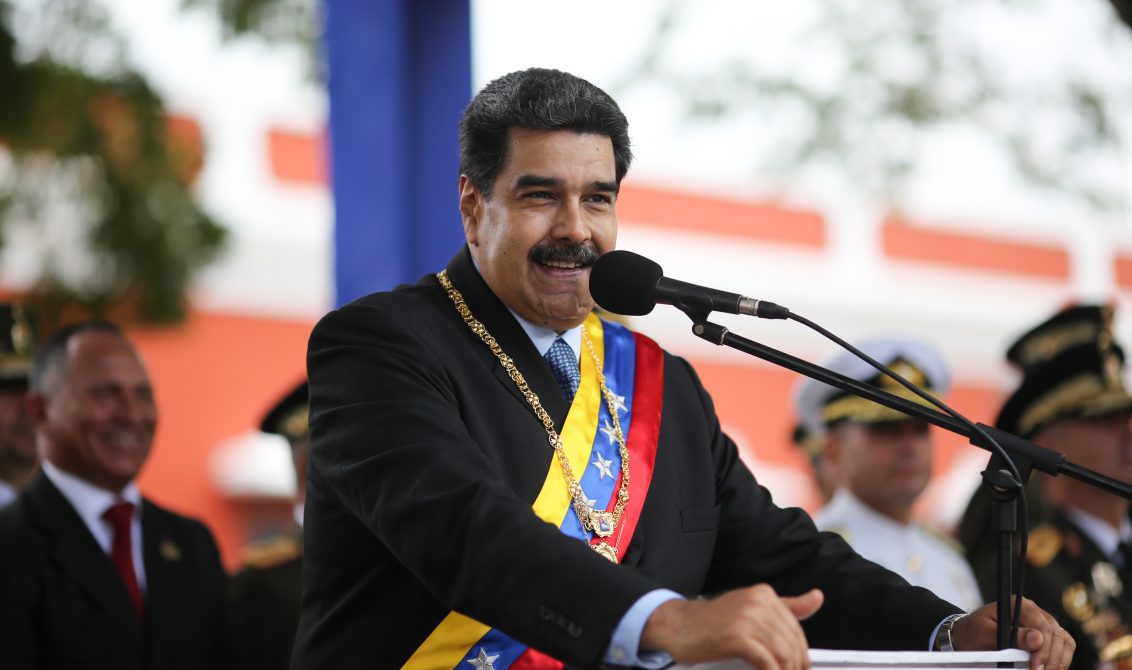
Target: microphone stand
(1002, 486)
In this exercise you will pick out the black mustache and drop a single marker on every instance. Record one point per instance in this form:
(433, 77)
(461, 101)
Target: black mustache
(583, 254)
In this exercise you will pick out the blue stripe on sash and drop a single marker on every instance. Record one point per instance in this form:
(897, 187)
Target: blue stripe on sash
(618, 367)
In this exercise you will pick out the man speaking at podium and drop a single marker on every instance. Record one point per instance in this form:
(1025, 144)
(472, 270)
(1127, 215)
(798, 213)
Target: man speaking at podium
(499, 479)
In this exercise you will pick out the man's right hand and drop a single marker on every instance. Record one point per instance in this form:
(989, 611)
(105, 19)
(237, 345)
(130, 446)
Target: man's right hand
(754, 624)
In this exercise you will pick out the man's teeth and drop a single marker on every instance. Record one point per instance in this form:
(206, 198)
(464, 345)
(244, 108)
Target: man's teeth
(562, 264)
(126, 440)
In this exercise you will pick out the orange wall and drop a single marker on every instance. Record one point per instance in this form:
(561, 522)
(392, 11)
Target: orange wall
(763, 222)
(905, 241)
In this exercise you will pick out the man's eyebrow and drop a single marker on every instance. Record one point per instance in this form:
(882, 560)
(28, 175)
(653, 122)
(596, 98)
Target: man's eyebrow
(527, 180)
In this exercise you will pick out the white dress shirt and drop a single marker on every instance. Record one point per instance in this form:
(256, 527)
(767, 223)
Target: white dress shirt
(8, 493)
(1102, 534)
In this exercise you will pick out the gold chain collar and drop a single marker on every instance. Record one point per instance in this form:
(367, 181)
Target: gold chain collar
(601, 523)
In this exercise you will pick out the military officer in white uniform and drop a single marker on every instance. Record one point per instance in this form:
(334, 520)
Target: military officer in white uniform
(884, 460)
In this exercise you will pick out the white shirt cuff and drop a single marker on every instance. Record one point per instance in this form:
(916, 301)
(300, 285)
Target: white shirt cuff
(624, 647)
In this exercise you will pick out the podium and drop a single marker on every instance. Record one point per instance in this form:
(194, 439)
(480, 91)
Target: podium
(836, 659)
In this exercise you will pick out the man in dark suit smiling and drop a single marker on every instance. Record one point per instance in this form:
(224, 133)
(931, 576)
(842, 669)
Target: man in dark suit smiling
(93, 575)
(501, 479)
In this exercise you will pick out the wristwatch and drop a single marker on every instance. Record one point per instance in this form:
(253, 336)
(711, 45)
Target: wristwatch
(943, 640)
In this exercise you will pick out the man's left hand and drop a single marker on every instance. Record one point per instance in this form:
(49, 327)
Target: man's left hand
(1049, 645)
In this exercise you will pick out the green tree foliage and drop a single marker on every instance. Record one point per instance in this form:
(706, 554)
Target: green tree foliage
(91, 172)
(274, 20)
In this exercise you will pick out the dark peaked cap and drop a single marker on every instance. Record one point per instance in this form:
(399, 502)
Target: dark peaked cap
(1071, 367)
(289, 416)
(17, 344)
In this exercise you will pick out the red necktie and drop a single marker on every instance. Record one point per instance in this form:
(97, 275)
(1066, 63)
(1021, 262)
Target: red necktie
(122, 552)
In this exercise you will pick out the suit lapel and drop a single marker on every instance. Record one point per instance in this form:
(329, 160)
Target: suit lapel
(166, 581)
(77, 554)
(490, 311)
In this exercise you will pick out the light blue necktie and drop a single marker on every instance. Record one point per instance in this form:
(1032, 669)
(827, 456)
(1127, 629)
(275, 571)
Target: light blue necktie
(564, 364)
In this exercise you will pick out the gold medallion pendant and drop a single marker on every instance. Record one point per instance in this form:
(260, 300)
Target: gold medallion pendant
(602, 523)
(605, 550)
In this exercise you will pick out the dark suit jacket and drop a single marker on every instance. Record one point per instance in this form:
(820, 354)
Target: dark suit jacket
(265, 604)
(64, 605)
(425, 461)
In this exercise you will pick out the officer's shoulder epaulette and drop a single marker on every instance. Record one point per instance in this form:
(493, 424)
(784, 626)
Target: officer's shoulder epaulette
(271, 551)
(1045, 543)
(942, 537)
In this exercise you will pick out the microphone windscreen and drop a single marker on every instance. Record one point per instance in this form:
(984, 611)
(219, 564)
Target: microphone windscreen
(623, 282)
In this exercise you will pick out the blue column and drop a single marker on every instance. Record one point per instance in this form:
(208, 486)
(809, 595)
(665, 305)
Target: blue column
(399, 74)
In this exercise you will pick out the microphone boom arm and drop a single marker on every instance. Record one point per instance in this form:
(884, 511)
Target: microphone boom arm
(1020, 455)
(1047, 460)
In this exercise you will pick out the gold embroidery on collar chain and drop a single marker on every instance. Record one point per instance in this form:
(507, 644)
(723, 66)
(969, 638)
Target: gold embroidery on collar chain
(600, 522)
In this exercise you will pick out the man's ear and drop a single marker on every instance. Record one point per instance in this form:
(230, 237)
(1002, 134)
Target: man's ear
(36, 404)
(831, 448)
(471, 209)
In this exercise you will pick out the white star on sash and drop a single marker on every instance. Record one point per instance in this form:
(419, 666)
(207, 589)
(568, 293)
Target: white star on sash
(483, 661)
(618, 402)
(603, 467)
(607, 430)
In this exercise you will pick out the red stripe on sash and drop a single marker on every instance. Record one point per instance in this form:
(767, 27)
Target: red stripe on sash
(644, 431)
(533, 659)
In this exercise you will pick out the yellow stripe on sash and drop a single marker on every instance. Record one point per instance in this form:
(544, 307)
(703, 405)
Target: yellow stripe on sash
(447, 645)
(578, 432)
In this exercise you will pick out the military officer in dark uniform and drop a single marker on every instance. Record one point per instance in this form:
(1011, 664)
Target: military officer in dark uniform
(1072, 399)
(18, 456)
(265, 593)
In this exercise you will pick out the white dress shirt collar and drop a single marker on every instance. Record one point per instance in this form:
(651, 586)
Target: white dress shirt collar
(8, 493)
(1102, 534)
(89, 501)
(846, 505)
(542, 337)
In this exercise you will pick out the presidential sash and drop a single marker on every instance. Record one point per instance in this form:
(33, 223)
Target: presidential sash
(633, 366)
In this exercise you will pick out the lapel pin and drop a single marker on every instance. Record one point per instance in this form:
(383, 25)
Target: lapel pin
(169, 550)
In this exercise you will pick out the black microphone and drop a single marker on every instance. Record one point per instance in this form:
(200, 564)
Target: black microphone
(623, 282)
